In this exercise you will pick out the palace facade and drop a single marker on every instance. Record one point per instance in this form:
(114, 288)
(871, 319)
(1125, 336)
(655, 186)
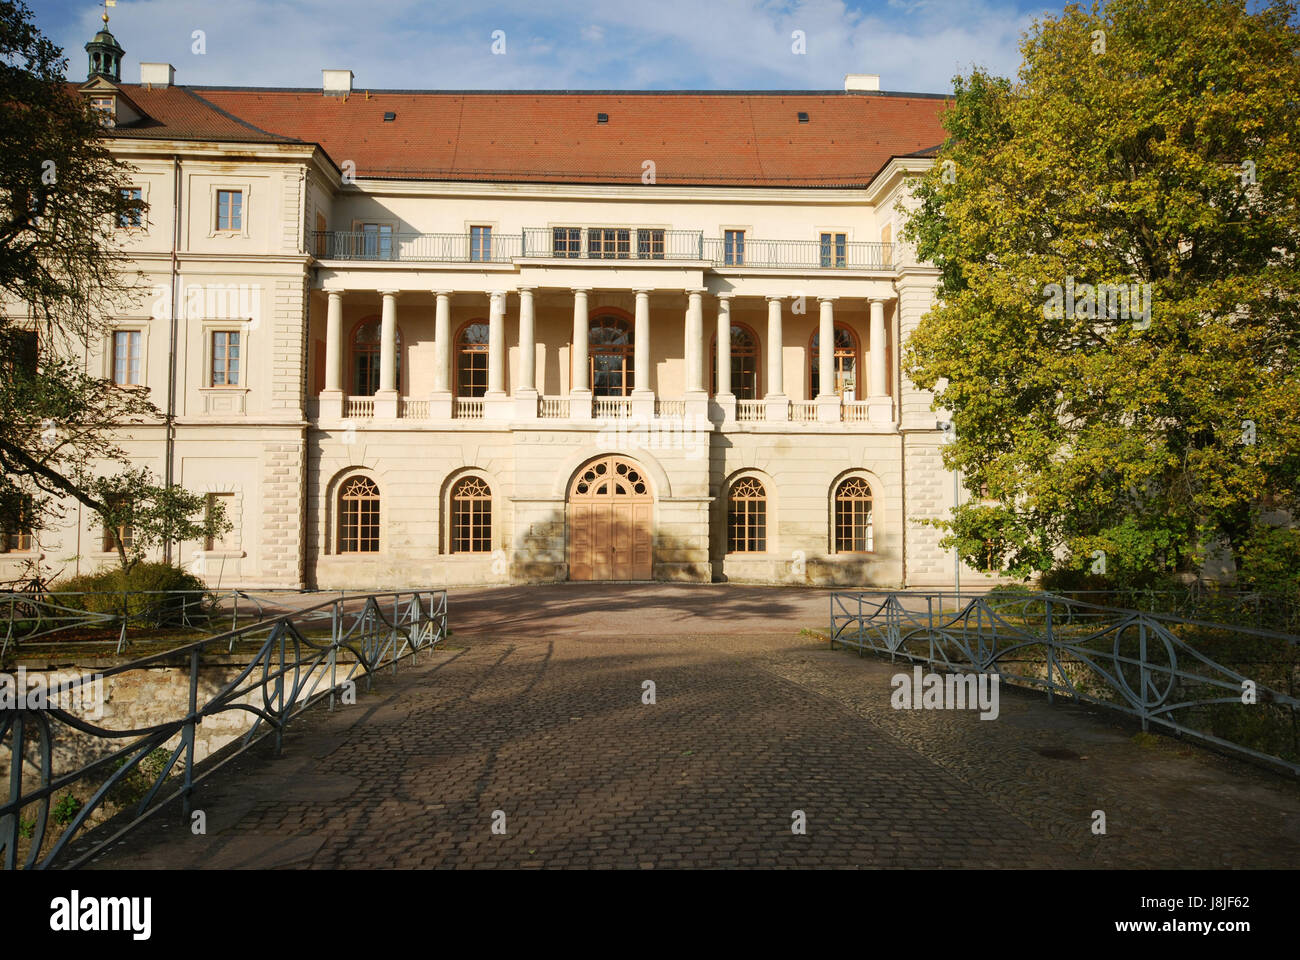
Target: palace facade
(414, 337)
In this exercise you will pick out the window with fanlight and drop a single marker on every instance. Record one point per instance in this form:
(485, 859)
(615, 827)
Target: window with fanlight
(358, 511)
(845, 366)
(853, 523)
(610, 345)
(472, 359)
(744, 363)
(367, 340)
(747, 517)
(471, 516)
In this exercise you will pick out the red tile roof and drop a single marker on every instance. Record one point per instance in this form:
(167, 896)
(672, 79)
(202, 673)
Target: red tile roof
(727, 139)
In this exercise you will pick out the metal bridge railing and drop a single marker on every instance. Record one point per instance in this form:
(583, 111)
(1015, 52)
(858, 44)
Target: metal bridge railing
(107, 617)
(1233, 686)
(302, 657)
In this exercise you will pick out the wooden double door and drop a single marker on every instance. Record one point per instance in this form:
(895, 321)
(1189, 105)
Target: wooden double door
(611, 522)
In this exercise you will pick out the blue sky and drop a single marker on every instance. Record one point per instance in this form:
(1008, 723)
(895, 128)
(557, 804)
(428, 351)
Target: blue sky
(915, 45)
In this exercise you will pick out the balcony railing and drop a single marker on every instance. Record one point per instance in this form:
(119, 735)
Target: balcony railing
(612, 407)
(803, 411)
(854, 411)
(468, 408)
(613, 243)
(359, 408)
(670, 408)
(553, 408)
(749, 409)
(441, 247)
(809, 254)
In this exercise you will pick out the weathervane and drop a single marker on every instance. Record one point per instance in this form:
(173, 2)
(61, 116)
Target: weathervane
(107, 4)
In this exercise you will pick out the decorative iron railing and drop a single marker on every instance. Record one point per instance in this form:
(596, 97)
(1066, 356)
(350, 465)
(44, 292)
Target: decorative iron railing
(1235, 687)
(612, 243)
(807, 254)
(50, 616)
(299, 659)
(439, 247)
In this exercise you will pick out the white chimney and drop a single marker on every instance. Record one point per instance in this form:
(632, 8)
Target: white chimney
(861, 81)
(337, 83)
(157, 74)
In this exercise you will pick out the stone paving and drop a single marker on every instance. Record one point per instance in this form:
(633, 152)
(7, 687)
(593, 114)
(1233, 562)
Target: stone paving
(533, 712)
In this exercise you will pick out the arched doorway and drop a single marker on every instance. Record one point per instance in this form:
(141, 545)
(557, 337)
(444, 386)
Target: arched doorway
(611, 521)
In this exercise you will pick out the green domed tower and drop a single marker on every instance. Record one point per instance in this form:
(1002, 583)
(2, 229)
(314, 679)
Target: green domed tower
(105, 55)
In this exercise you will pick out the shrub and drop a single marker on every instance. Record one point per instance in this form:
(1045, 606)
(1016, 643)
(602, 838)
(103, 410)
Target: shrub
(102, 592)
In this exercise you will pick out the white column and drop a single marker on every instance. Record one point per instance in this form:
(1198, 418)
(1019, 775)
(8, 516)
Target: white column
(641, 344)
(580, 361)
(527, 342)
(879, 403)
(724, 346)
(777, 405)
(442, 342)
(388, 343)
(828, 400)
(331, 398)
(496, 384)
(694, 346)
(724, 400)
(643, 398)
(526, 392)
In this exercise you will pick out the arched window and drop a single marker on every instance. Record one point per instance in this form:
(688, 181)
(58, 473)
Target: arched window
(358, 516)
(845, 365)
(853, 533)
(366, 341)
(471, 516)
(744, 363)
(747, 517)
(609, 341)
(472, 359)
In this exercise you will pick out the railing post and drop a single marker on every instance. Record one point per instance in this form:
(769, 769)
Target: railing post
(1051, 655)
(1142, 667)
(334, 650)
(10, 824)
(189, 733)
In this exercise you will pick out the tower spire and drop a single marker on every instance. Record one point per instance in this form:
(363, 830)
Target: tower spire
(104, 55)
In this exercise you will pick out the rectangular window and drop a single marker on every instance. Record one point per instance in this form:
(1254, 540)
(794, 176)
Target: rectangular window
(322, 236)
(480, 243)
(18, 353)
(225, 359)
(124, 533)
(609, 243)
(733, 248)
(126, 358)
(377, 241)
(105, 108)
(650, 244)
(226, 501)
(834, 249)
(18, 537)
(567, 242)
(230, 210)
(134, 216)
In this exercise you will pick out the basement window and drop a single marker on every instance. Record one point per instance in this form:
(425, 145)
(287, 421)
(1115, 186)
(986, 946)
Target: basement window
(803, 117)
(602, 118)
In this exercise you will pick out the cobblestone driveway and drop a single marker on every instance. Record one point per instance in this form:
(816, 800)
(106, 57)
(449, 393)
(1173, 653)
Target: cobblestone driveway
(535, 710)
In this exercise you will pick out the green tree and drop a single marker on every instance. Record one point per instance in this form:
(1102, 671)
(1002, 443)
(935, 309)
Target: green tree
(63, 277)
(1142, 143)
(155, 514)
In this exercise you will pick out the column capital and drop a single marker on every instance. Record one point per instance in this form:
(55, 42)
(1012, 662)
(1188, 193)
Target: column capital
(774, 299)
(827, 299)
(643, 291)
(696, 290)
(443, 293)
(388, 293)
(726, 296)
(526, 289)
(580, 289)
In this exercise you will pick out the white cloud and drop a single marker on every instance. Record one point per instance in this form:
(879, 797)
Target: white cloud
(729, 44)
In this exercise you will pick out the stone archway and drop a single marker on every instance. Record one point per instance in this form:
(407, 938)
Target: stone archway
(610, 514)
